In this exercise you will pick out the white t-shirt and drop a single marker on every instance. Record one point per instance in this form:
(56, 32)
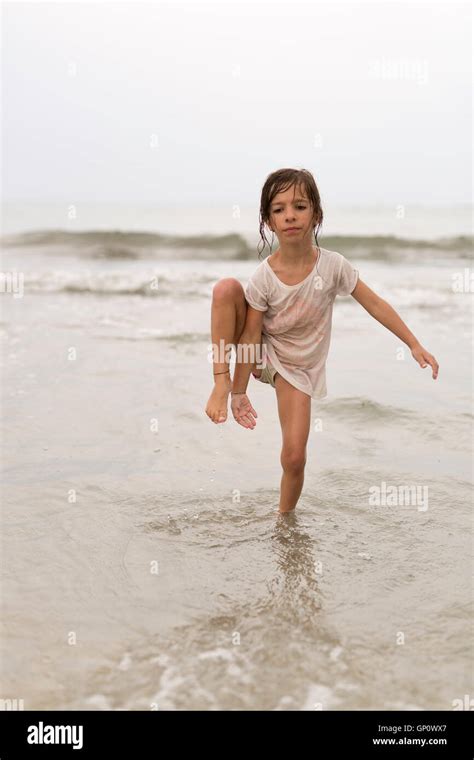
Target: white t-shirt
(296, 327)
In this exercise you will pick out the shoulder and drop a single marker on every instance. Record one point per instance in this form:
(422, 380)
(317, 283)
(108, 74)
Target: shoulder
(333, 263)
(260, 273)
(332, 259)
(334, 268)
(262, 265)
(256, 290)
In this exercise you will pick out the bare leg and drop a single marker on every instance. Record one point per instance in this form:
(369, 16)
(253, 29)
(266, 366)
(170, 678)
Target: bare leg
(294, 409)
(228, 315)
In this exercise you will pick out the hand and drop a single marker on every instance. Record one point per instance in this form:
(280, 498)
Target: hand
(243, 410)
(423, 357)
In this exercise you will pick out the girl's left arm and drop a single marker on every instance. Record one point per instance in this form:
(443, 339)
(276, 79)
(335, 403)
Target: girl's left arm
(388, 317)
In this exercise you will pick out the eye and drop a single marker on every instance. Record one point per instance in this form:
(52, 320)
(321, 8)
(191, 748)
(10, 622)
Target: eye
(277, 211)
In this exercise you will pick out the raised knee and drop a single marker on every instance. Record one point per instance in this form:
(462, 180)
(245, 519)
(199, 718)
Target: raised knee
(227, 287)
(293, 460)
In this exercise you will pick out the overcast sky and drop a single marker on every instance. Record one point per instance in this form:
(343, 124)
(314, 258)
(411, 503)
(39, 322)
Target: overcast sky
(198, 103)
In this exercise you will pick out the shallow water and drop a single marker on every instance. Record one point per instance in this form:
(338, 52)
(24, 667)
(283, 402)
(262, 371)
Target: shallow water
(145, 565)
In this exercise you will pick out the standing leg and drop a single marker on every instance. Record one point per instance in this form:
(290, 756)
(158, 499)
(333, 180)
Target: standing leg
(228, 315)
(294, 409)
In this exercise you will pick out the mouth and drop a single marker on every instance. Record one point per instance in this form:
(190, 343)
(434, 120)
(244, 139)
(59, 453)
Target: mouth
(291, 229)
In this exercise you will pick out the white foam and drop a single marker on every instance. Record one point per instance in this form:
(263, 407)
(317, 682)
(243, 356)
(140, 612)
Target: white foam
(320, 697)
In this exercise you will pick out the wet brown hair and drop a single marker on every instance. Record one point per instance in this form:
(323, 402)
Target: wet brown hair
(279, 181)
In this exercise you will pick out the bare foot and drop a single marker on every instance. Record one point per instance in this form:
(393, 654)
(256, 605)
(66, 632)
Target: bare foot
(216, 408)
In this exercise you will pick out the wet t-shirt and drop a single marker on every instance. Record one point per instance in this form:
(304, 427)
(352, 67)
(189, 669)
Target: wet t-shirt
(296, 327)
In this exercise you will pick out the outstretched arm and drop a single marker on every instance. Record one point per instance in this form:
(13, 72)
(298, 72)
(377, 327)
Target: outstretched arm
(388, 317)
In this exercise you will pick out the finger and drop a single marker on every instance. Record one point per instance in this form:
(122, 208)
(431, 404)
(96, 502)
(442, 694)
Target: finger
(243, 420)
(426, 359)
(435, 366)
(249, 420)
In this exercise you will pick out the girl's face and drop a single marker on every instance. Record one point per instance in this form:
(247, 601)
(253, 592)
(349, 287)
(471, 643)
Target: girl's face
(292, 209)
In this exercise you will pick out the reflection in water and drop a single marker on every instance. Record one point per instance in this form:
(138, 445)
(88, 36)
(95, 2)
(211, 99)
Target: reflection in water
(294, 591)
(256, 639)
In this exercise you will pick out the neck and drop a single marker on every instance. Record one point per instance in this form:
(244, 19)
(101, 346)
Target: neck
(297, 252)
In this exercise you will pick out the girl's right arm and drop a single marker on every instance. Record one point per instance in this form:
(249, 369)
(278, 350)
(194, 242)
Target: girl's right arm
(248, 354)
(248, 351)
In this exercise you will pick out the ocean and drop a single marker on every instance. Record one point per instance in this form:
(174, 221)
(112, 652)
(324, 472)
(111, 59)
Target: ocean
(145, 565)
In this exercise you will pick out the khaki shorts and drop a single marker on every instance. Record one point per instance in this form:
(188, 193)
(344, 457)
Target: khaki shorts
(268, 375)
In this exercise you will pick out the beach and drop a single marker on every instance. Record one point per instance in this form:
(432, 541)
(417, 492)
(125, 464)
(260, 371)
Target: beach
(145, 564)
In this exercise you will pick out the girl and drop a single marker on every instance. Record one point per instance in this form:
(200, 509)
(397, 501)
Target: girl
(285, 313)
